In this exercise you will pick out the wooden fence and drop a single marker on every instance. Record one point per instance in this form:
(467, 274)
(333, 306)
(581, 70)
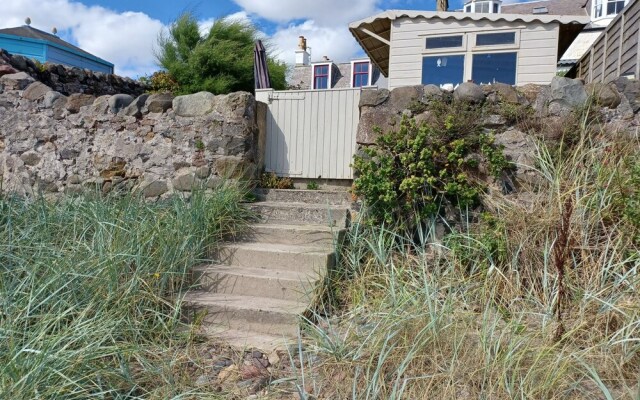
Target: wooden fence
(615, 53)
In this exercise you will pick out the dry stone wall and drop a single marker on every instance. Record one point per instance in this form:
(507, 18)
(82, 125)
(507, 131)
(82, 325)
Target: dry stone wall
(52, 144)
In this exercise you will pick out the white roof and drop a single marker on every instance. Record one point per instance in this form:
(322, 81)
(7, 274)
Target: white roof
(580, 46)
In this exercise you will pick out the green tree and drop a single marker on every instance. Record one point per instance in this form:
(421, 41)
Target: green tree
(219, 62)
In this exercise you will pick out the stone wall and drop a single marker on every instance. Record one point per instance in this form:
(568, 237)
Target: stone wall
(52, 144)
(69, 80)
(548, 106)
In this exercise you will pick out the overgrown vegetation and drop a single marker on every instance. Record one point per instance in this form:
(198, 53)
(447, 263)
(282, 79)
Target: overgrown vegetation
(269, 180)
(90, 291)
(220, 62)
(536, 299)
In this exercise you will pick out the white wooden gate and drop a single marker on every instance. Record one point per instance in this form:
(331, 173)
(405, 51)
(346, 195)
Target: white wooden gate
(311, 133)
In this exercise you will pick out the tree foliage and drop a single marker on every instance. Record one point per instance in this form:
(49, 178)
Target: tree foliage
(219, 62)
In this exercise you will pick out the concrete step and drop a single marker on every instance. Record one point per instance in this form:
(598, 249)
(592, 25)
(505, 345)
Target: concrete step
(247, 313)
(258, 282)
(302, 213)
(241, 339)
(326, 197)
(306, 259)
(313, 235)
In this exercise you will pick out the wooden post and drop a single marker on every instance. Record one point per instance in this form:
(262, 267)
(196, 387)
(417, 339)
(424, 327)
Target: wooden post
(605, 49)
(621, 46)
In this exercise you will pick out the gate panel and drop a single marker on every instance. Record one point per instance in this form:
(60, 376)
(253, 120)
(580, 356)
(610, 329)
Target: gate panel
(311, 133)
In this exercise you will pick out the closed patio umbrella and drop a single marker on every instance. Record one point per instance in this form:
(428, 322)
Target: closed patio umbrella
(260, 68)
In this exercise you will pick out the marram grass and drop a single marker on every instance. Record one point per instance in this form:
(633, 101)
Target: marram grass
(90, 292)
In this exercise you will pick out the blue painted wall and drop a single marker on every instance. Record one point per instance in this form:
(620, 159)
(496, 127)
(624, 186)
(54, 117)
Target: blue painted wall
(44, 51)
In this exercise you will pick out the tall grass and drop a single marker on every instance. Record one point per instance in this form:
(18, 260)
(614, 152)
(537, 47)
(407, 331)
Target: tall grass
(538, 300)
(90, 291)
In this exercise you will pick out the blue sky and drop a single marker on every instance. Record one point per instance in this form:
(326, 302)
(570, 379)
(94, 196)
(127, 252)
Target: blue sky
(125, 31)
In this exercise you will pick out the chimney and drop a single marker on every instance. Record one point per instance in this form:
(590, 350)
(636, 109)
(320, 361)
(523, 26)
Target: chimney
(302, 53)
(325, 58)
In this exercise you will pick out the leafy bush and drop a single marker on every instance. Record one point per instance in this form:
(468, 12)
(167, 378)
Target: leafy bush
(411, 173)
(219, 62)
(270, 180)
(160, 82)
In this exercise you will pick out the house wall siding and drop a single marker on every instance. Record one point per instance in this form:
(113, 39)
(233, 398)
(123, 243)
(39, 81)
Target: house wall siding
(59, 56)
(36, 51)
(537, 49)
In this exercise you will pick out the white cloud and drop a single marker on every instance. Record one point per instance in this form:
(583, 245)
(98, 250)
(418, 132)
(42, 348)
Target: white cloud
(205, 25)
(126, 39)
(325, 13)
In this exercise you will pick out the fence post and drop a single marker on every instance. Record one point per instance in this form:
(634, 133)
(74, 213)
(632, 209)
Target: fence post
(605, 49)
(621, 42)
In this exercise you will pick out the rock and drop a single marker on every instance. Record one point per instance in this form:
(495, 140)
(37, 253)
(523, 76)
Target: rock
(30, 158)
(520, 149)
(203, 172)
(20, 62)
(214, 182)
(100, 105)
(228, 373)
(50, 98)
(158, 103)
(566, 95)
(373, 97)
(403, 98)
(505, 93)
(68, 154)
(431, 92)
(78, 100)
(530, 91)
(372, 119)
(541, 102)
(7, 69)
(185, 183)
(155, 189)
(469, 92)
(135, 108)
(118, 102)
(250, 372)
(426, 117)
(203, 380)
(234, 107)
(630, 88)
(234, 168)
(17, 81)
(605, 95)
(36, 91)
(494, 121)
(194, 105)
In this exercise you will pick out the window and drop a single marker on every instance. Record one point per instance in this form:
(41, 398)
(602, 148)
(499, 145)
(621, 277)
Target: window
(496, 8)
(439, 70)
(321, 76)
(614, 7)
(494, 67)
(540, 10)
(442, 42)
(483, 7)
(603, 8)
(493, 39)
(360, 74)
(467, 9)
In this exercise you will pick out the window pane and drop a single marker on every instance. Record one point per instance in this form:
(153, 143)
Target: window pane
(439, 70)
(494, 67)
(321, 82)
(495, 8)
(482, 7)
(361, 80)
(491, 39)
(443, 42)
(468, 9)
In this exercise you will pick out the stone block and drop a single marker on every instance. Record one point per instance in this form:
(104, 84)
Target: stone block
(155, 188)
(158, 103)
(78, 100)
(235, 168)
(373, 97)
(194, 105)
(605, 95)
(469, 92)
(118, 102)
(36, 91)
(185, 182)
(402, 98)
(17, 81)
(372, 119)
(135, 108)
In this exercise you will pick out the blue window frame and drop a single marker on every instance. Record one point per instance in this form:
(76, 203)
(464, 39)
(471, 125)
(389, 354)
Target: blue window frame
(494, 67)
(492, 39)
(442, 69)
(361, 74)
(321, 77)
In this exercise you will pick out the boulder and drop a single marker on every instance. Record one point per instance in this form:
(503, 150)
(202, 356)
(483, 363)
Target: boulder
(118, 102)
(235, 107)
(158, 103)
(520, 148)
(194, 105)
(78, 100)
(469, 92)
(235, 168)
(630, 88)
(7, 69)
(53, 98)
(185, 182)
(19, 62)
(566, 95)
(372, 119)
(17, 81)
(100, 105)
(605, 95)
(36, 91)
(431, 92)
(403, 97)
(135, 108)
(155, 189)
(373, 97)
(504, 93)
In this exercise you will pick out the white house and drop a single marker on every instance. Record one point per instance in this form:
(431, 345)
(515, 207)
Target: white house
(481, 44)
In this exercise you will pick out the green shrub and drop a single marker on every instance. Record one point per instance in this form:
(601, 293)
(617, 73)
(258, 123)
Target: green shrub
(161, 82)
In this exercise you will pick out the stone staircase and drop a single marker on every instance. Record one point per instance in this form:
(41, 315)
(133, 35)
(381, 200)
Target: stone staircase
(256, 289)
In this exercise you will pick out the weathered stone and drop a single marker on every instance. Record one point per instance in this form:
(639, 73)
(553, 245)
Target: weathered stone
(469, 92)
(605, 95)
(185, 183)
(505, 93)
(403, 98)
(494, 121)
(78, 100)
(373, 98)
(566, 95)
(194, 105)
(426, 117)
(118, 102)
(630, 88)
(235, 168)
(7, 69)
(36, 91)
(74, 179)
(135, 108)
(520, 148)
(19, 62)
(235, 107)
(155, 189)
(214, 182)
(158, 103)
(68, 154)
(431, 92)
(50, 99)
(17, 81)
(30, 158)
(373, 119)
(203, 172)
(100, 105)
(530, 91)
